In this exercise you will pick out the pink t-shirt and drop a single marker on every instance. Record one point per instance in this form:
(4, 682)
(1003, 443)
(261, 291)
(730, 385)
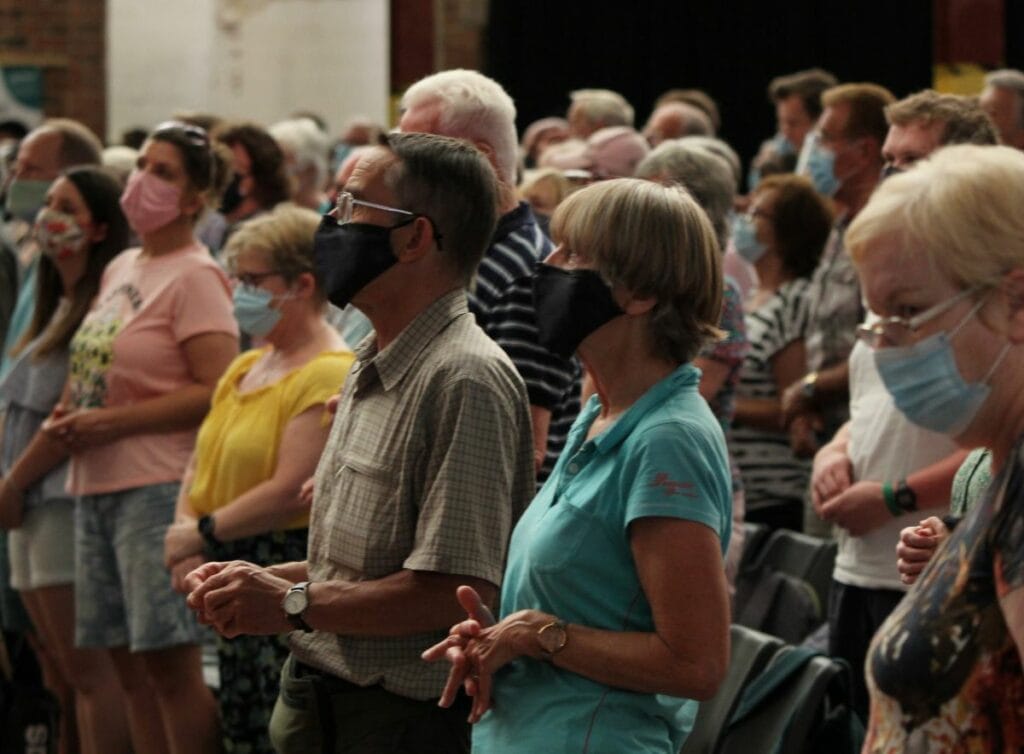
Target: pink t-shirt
(129, 349)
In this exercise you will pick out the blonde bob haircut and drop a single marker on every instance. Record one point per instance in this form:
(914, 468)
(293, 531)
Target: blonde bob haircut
(284, 238)
(960, 208)
(656, 242)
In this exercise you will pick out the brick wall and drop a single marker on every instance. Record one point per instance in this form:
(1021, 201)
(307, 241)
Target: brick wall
(66, 37)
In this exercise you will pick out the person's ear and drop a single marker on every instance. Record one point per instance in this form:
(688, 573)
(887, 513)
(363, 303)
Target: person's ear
(1012, 289)
(414, 240)
(631, 304)
(305, 285)
(98, 232)
(192, 203)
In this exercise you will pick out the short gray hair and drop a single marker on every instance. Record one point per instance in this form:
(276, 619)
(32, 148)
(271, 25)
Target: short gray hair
(705, 175)
(474, 107)
(603, 107)
(1012, 79)
(306, 142)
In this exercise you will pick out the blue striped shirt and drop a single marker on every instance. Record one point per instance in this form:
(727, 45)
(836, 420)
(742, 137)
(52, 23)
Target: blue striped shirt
(502, 301)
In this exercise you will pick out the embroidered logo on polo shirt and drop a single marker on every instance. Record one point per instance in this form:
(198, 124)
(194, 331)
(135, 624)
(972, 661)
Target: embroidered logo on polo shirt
(661, 479)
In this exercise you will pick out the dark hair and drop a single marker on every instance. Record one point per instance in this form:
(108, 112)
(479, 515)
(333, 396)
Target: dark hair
(101, 191)
(270, 178)
(696, 97)
(867, 103)
(807, 85)
(206, 121)
(963, 121)
(134, 137)
(451, 183)
(206, 164)
(14, 129)
(802, 220)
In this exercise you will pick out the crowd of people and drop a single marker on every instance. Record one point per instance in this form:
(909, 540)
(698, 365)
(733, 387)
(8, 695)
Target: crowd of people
(440, 437)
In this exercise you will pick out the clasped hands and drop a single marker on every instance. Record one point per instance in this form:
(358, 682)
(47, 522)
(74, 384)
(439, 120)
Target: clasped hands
(82, 428)
(479, 646)
(857, 507)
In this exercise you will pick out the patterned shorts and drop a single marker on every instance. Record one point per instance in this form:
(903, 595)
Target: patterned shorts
(123, 594)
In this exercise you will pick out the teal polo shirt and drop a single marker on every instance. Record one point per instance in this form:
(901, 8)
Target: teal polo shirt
(570, 556)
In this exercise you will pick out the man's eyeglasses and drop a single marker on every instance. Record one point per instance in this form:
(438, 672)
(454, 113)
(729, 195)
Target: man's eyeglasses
(194, 135)
(345, 204)
(898, 331)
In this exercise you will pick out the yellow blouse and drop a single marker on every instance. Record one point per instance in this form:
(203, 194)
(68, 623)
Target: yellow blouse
(237, 445)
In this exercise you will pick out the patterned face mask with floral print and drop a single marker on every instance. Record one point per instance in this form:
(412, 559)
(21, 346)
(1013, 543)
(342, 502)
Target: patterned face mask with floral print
(58, 235)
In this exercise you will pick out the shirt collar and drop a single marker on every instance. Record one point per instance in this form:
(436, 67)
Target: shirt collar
(398, 357)
(685, 377)
(512, 221)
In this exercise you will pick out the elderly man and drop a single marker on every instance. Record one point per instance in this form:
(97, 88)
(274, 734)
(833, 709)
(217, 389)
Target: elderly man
(675, 119)
(881, 473)
(592, 109)
(844, 160)
(305, 149)
(427, 466)
(468, 105)
(1003, 100)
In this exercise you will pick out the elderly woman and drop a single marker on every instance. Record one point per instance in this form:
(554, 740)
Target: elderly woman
(782, 235)
(600, 642)
(940, 253)
(144, 363)
(262, 439)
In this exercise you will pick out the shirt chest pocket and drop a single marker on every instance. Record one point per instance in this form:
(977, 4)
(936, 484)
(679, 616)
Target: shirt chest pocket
(564, 536)
(369, 532)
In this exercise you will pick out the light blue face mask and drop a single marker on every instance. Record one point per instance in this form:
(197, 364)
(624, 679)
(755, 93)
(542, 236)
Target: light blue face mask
(926, 384)
(744, 238)
(25, 197)
(782, 145)
(253, 311)
(818, 164)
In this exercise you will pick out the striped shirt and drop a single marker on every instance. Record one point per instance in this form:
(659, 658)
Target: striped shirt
(770, 470)
(428, 465)
(502, 301)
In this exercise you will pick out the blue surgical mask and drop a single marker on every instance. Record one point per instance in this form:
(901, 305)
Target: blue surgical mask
(926, 384)
(25, 197)
(818, 164)
(744, 238)
(782, 145)
(253, 311)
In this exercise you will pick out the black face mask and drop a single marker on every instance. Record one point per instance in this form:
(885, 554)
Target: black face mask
(570, 305)
(347, 257)
(232, 196)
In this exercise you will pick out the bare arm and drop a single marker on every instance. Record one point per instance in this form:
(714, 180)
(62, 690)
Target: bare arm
(766, 413)
(207, 355)
(269, 505)
(540, 419)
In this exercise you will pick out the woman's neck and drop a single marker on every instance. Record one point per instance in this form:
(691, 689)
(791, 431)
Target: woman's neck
(624, 367)
(177, 234)
(771, 273)
(307, 331)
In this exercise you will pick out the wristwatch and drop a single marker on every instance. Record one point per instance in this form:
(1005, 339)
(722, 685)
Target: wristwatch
(552, 638)
(808, 386)
(906, 498)
(206, 526)
(295, 602)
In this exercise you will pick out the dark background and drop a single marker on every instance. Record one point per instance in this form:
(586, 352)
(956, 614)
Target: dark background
(540, 50)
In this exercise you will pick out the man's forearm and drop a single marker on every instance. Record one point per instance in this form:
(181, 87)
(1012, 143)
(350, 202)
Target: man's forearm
(400, 604)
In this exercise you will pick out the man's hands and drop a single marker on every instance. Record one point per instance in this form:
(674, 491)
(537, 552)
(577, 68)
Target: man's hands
(238, 598)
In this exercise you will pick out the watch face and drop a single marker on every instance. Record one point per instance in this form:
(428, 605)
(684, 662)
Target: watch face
(295, 602)
(551, 638)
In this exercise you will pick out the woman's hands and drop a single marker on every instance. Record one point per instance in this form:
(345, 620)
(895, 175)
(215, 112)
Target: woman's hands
(84, 428)
(478, 647)
(917, 545)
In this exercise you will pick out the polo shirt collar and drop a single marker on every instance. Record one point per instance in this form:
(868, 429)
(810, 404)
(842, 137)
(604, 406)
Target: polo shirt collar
(684, 377)
(512, 221)
(403, 352)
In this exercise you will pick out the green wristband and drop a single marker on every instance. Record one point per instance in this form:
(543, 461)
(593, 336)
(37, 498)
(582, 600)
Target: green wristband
(889, 495)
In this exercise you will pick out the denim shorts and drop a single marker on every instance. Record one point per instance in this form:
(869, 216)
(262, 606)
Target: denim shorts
(39, 549)
(123, 594)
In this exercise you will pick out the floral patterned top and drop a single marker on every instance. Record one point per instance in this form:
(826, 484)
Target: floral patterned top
(943, 670)
(730, 350)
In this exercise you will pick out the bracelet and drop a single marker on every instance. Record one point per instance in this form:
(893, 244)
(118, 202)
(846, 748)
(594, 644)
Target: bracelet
(889, 496)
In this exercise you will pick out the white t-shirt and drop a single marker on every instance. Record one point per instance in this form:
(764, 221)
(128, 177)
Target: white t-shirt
(884, 447)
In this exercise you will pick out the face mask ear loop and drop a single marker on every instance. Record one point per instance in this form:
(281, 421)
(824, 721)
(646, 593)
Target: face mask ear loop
(995, 365)
(974, 310)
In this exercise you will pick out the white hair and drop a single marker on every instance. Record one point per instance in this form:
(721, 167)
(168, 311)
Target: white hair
(474, 107)
(306, 142)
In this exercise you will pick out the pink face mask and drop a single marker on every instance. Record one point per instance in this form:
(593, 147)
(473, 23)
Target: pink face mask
(149, 202)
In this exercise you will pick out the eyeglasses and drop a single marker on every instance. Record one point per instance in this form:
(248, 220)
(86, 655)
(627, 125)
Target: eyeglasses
(345, 204)
(194, 135)
(253, 279)
(898, 331)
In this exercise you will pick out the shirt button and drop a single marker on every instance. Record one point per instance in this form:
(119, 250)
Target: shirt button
(573, 468)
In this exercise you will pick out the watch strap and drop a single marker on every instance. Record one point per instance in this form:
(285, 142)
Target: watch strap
(889, 496)
(207, 526)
